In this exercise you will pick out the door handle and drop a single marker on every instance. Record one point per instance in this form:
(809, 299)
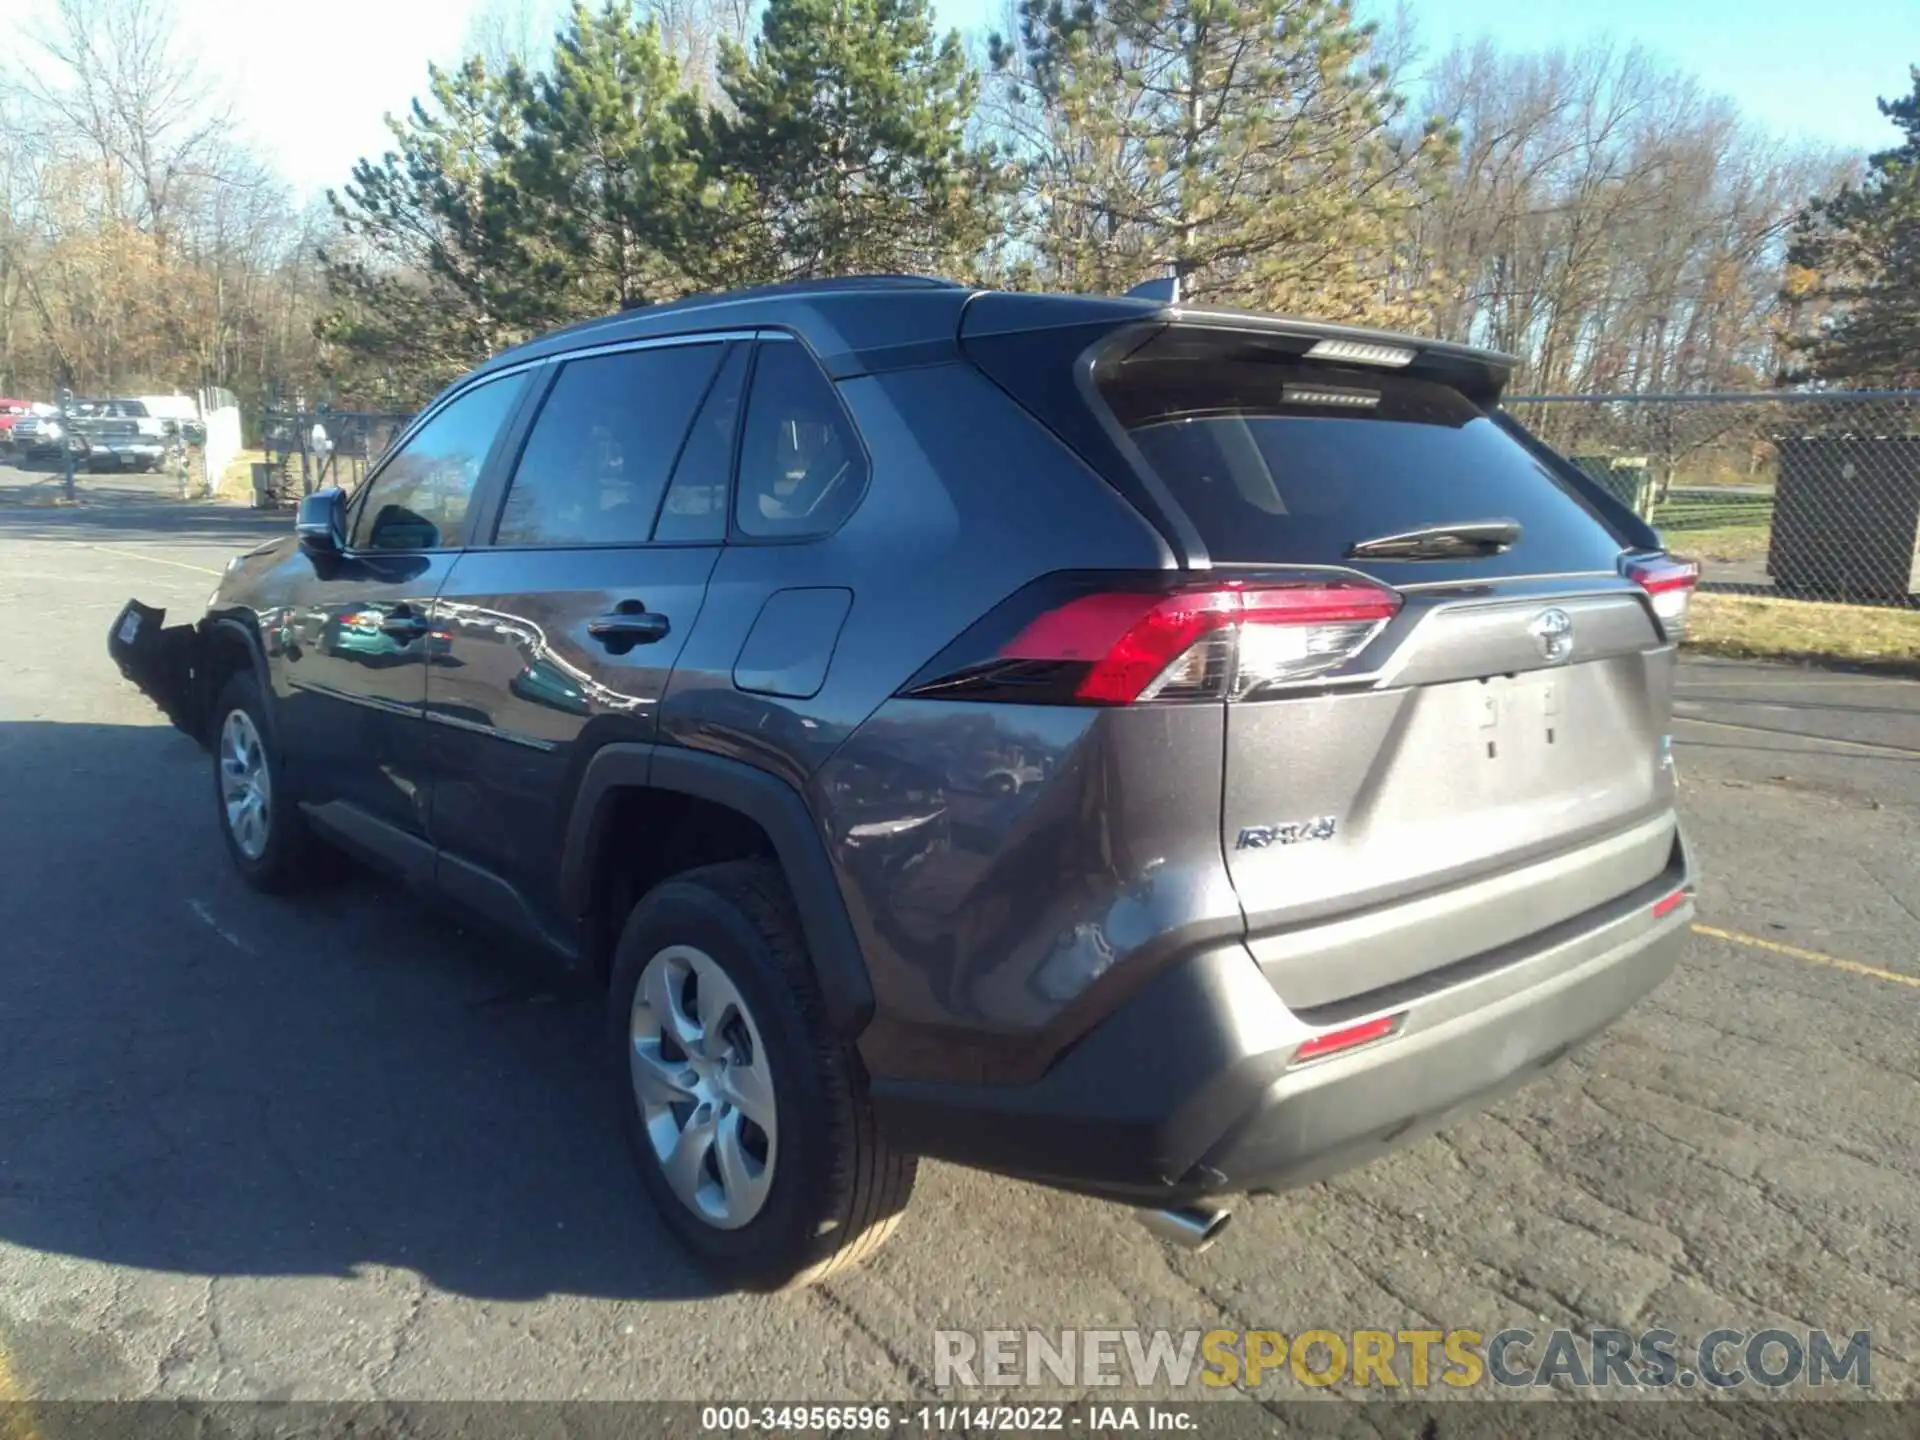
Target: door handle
(404, 625)
(631, 623)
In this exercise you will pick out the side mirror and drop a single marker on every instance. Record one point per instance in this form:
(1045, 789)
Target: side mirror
(321, 522)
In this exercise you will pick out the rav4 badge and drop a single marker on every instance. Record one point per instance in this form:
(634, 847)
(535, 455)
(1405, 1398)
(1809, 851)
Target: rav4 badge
(1259, 837)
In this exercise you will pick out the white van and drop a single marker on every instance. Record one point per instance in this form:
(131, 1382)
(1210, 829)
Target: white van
(170, 407)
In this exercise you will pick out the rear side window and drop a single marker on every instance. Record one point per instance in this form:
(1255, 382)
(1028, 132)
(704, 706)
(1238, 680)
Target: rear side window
(1282, 461)
(696, 503)
(801, 466)
(597, 459)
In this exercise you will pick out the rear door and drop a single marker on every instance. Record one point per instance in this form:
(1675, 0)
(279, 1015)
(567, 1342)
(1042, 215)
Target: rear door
(1486, 757)
(563, 624)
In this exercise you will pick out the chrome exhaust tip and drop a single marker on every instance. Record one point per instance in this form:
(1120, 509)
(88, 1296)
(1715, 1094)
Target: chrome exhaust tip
(1190, 1226)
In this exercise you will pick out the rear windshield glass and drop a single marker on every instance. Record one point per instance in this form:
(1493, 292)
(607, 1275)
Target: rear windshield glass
(1287, 462)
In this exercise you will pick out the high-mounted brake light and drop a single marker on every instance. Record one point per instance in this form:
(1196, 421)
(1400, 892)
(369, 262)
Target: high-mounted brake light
(1214, 642)
(1330, 397)
(1363, 352)
(1670, 583)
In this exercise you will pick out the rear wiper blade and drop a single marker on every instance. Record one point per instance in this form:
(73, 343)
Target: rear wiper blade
(1461, 540)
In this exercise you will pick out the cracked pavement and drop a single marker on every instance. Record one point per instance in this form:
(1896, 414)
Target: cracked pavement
(334, 1149)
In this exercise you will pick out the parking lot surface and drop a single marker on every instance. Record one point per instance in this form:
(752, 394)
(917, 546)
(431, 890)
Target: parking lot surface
(333, 1148)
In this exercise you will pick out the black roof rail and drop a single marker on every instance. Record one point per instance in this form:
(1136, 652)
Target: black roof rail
(804, 287)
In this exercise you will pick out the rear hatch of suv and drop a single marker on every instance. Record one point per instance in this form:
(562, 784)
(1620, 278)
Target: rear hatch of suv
(1446, 663)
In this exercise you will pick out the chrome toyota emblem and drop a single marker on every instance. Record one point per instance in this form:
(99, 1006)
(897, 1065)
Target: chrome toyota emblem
(1552, 630)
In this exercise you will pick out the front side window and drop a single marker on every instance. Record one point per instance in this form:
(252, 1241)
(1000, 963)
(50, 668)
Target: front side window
(801, 466)
(597, 459)
(419, 499)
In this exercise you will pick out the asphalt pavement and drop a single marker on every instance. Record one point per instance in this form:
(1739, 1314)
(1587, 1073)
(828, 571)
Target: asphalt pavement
(333, 1148)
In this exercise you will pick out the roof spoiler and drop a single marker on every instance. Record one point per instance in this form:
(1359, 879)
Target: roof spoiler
(1481, 375)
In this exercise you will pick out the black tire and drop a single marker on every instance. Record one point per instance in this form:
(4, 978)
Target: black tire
(838, 1190)
(286, 861)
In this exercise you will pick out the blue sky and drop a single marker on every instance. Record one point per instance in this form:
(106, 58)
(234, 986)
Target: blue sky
(312, 81)
(1801, 67)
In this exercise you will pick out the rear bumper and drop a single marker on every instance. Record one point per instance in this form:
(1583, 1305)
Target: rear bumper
(162, 660)
(1189, 1090)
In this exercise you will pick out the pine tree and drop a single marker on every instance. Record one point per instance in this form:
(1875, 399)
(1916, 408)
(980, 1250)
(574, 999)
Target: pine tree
(1855, 264)
(601, 178)
(1250, 147)
(423, 278)
(842, 148)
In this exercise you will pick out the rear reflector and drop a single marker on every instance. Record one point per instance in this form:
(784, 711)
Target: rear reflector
(1351, 1038)
(1670, 583)
(1664, 908)
(1217, 642)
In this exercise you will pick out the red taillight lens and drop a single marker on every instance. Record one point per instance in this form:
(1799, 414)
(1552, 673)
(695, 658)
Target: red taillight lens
(1670, 582)
(1127, 640)
(1220, 641)
(1352, 1037)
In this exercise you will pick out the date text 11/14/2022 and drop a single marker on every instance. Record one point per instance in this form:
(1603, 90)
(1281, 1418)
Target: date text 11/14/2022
(937, 1419)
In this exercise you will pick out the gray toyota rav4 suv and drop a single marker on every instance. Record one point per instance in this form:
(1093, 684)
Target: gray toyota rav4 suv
(1157, 752)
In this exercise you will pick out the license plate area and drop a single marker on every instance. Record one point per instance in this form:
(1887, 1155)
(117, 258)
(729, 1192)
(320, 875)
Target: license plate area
(1574, 734)
(1518, 716)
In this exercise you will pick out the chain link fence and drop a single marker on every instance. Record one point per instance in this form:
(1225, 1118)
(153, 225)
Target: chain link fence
(310, 449)
(1803, 496)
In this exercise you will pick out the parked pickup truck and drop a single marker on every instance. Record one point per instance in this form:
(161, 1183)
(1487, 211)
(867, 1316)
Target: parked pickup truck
(10, 412)
(120, 434)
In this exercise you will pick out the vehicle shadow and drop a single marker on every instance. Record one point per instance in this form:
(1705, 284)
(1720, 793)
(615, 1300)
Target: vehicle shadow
(133, 517)
(118, 506)
(199, 1079)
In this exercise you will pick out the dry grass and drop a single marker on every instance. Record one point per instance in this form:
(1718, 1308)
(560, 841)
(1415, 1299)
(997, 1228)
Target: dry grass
(236, 481)
(1866, 636)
